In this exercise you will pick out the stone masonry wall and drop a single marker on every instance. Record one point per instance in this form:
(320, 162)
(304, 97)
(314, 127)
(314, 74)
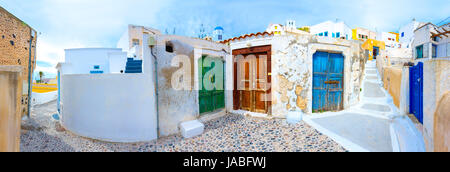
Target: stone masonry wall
(15, 37)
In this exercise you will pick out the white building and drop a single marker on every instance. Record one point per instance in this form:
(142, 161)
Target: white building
(218, 33)
(389, 39)
(93, 61)
(406, 33)
(141, 106)
(332, 30)
(276, 29)
(431, 41)
(279, 29)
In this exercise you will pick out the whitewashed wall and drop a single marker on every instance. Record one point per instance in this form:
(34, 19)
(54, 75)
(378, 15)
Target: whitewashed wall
(83, 60)
(408, 34)
(42, 98)
(111, 107)
(332, 27)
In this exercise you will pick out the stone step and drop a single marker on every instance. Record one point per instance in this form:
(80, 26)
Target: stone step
(376, 107)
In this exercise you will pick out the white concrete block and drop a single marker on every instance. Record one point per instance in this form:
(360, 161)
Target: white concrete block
(294, 117)
(191, 129)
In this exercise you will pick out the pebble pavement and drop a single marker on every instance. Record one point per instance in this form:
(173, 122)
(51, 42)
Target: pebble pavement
(231, 133)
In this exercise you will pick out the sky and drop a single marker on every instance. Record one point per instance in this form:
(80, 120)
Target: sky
(65, 24)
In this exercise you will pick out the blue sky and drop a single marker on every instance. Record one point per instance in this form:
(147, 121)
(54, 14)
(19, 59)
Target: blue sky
(100, 23)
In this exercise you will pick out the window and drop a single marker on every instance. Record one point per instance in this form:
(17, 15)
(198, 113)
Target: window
(333, 35)
(320, 34)
(169, 47)
(403, 34)
(338, 35)
(135, 42)
(419, 52)
(97, 67)
(326, 33)
(433, 51)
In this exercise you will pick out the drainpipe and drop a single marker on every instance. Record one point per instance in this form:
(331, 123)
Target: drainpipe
(156, 90)
(30, 82)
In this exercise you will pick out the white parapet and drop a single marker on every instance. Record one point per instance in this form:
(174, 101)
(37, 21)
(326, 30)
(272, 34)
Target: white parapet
(191, 129)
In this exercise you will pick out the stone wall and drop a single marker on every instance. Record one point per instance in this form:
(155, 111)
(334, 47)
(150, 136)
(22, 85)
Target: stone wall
(435, 74)
(15, 37)
(392, 81)
(292, 71)
(176, 106)
(441, 126)
(10, 108)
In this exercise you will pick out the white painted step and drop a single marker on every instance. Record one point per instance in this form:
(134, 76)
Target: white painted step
(191, 129)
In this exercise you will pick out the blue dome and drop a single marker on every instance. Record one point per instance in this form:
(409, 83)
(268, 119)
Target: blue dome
(218, 28)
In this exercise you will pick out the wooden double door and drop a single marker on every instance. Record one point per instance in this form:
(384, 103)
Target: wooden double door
(252, 79)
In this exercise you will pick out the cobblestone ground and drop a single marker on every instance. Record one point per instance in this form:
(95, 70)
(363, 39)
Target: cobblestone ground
(232, 133)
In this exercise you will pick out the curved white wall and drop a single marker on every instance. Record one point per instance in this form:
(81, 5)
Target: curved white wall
(110, 107)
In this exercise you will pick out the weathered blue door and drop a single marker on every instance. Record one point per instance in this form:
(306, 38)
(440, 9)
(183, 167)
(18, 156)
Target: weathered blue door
(416, 91)
(328, 73)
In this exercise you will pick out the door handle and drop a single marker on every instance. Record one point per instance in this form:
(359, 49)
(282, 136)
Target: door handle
(331, 82)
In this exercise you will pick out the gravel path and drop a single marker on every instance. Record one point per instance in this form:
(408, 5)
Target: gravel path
(232, 133)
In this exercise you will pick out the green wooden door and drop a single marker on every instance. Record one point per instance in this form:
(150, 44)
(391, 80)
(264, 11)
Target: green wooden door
(211, 99)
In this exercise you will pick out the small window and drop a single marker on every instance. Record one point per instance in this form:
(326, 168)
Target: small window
(326, 34)
(419, 52)
(434, 51)
(135, 42)
(320, 34)
(338, 35)
(403, 34)
(333, 35)
(169, 47)
(97, 67)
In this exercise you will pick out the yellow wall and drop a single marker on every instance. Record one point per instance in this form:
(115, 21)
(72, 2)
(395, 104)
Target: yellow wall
(44, 88)
(10, 113)
(392, 81)
(397, 36)
(354, 34)
(370, 43)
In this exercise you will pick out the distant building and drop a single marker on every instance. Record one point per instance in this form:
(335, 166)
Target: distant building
(93, 61)
(363, 34)
(406, 33)
(332, 29)
(390, 39)
(218, 33)
(276, 29)
(279, 29)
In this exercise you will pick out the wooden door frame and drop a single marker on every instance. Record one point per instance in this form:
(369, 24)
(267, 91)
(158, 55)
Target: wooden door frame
(237, 105)
(198, 53)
